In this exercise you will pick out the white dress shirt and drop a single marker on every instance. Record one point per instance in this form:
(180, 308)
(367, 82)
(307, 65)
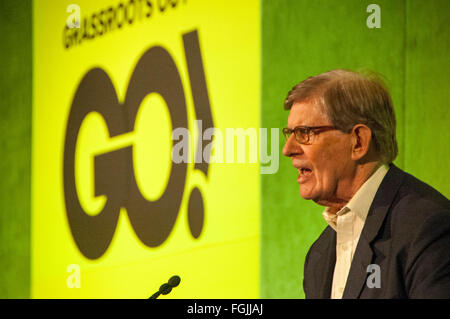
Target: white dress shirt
(348, 224)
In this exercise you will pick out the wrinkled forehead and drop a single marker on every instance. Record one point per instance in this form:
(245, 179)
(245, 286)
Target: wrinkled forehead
(307, 113)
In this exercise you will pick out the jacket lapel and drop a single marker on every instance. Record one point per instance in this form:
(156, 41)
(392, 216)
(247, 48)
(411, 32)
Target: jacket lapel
(329, 261)
(322, 261)
(377, 213)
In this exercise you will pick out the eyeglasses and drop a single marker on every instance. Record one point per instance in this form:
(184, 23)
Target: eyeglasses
(303, 134)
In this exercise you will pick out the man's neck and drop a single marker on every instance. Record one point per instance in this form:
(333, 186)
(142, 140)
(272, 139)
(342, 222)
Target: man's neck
(361, 174)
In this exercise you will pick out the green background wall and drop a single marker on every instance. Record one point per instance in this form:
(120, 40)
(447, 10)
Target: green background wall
(15, 148)
(301, 38)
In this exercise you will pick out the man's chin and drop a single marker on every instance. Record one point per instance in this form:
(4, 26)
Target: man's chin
(305, 194)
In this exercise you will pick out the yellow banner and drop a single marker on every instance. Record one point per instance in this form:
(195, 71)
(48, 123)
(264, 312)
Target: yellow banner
(119, 204)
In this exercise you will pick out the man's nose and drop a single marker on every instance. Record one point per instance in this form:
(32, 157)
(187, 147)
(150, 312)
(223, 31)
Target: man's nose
(292, 147)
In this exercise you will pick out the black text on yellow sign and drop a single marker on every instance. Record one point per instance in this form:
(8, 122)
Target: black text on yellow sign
(115, 177)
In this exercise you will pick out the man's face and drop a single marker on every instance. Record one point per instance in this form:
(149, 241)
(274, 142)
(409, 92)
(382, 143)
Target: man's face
(325, 167)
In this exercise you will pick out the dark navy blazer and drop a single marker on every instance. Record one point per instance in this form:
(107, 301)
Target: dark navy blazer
(406, 233)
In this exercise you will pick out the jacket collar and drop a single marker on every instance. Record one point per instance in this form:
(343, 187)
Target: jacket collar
(377, 213)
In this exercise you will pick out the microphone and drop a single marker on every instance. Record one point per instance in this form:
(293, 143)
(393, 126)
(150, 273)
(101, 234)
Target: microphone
(167, 287)
(174, 281)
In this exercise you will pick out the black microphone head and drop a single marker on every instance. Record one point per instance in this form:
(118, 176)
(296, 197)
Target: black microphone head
(174, 281)
(165, 289)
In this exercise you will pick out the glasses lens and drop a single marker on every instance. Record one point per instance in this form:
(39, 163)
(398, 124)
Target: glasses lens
(286, 133)
(302, 135)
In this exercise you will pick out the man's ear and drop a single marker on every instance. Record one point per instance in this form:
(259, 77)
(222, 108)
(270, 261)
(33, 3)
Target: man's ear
(361, 140)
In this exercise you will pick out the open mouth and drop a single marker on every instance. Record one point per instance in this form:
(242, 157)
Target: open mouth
(304, 171)
(304, 174)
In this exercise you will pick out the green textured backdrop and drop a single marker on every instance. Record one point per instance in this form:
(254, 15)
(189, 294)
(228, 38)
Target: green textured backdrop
(301, 38)
(15, 148)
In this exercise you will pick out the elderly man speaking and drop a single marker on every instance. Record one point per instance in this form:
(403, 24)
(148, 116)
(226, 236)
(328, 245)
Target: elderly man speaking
(388, 233)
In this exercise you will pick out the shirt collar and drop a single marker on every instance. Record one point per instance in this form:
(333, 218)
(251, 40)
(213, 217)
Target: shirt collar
(361, 201)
